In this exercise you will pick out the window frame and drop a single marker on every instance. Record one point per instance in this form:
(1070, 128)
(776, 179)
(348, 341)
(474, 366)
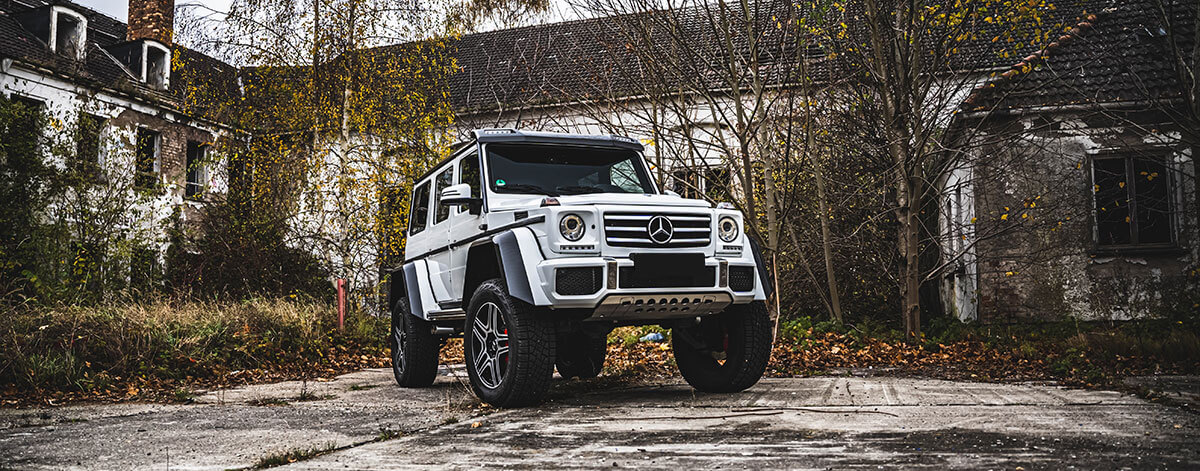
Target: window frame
(1128, 157)
(448, 173)
(87, 141)
(477, 190)
(35, 116)
(196, 169)
(154, 175)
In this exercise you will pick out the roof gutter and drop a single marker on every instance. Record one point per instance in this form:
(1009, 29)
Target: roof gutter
(1104, 106)
(9, 62)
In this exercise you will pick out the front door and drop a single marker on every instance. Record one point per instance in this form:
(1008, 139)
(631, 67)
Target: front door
(464, 224)
(439, 262)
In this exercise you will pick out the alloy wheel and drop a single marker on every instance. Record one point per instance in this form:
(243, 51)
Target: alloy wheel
(489, 337)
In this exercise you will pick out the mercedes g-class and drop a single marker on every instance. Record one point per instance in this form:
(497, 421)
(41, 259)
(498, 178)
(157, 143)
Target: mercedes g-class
(533, 246)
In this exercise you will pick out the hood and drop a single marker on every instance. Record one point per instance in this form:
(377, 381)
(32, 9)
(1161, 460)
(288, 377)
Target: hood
(631, 199)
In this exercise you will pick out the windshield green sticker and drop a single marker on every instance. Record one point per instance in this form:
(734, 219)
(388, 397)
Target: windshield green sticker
(500, 183)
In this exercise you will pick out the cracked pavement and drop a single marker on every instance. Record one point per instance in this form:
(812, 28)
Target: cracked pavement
(796, 423)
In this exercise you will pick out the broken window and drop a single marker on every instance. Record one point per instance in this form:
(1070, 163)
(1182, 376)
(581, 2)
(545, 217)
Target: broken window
(146, 164)
(69, 35)
(1133, 201)
(87, 146)
(23, 136)
(197, 170)
(157, 67)
(709, 183)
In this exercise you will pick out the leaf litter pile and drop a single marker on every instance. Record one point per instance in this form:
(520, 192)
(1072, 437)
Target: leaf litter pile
(53, 358)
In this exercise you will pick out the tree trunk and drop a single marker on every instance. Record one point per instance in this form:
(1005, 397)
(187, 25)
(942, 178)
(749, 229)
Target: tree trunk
(907, 213)
(827, 245)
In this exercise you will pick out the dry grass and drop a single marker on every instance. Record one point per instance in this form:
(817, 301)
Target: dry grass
(121, 348)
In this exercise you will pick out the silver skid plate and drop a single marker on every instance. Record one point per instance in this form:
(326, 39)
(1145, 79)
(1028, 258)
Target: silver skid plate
(661, 306)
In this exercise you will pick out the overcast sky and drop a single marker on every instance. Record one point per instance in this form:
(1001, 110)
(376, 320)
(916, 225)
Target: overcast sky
(119, 8)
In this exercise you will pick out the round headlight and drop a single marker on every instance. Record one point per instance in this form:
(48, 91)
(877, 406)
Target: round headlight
(727, 228)
(571, 227)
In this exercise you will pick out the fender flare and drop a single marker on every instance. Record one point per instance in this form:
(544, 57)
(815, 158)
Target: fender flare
(412, 290)
(768, 284)
(512, 266)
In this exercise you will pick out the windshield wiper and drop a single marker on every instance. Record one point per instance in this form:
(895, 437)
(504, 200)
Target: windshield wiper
(579, 190)
(525, 188)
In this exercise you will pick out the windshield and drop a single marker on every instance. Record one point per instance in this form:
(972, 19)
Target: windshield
(563, 170)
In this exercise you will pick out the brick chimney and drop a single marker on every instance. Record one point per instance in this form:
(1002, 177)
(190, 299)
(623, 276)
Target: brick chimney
(151, 19)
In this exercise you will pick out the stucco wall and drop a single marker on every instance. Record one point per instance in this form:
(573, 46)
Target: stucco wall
(1034, 199)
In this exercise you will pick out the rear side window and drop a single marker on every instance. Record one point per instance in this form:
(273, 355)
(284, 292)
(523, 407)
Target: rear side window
(444, 180)
(418, 216)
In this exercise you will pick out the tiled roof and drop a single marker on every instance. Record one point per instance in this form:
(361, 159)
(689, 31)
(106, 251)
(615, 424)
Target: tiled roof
(1119, 57)
(98, 67)
(1120, 53)
(596, 58)
(610, 57)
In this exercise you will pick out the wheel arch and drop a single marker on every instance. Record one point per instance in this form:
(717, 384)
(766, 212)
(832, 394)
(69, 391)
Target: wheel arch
(483, 263)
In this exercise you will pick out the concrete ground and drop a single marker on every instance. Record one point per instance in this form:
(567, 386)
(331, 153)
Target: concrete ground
(820, 422)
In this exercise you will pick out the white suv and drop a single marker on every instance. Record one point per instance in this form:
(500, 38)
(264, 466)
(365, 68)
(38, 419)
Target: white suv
(533, 246)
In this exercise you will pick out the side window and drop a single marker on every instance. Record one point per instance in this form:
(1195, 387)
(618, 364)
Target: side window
(418, 215)
(468, 172)
(623, 176)
(443, 180)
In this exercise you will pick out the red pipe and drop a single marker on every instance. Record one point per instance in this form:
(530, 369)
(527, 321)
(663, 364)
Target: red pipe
(341, 301)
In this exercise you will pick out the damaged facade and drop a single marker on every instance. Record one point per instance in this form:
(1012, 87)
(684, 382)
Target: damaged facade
(108, 95)
(1080, 199)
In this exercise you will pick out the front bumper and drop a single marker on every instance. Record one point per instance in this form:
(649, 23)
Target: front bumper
(531, 276)
(615, 300)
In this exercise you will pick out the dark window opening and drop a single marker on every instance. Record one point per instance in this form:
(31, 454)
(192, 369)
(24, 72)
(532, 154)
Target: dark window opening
(24, 134)
(418, 214)
(702, 183)
(156, 67)
(87, 146)
(146, 164)
(68, 35)
(1133, 201)
(197, 170)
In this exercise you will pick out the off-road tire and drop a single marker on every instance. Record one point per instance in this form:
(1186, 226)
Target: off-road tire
(580, 354)
(529, 361)
(742, 333)
(418, 366)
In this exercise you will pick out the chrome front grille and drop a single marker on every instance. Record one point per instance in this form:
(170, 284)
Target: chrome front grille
(629, 229)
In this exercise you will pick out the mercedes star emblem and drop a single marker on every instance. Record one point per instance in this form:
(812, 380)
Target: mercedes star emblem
(660, 229)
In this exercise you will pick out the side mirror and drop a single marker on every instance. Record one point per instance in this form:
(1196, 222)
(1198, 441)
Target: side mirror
(460, 194)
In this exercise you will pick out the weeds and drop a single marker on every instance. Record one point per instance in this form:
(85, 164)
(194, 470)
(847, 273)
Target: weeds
(293, 455)
(268, 401)
(110, 349)
(182, 395)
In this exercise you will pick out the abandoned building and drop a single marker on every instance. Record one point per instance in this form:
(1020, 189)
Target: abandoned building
(1090, 126)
